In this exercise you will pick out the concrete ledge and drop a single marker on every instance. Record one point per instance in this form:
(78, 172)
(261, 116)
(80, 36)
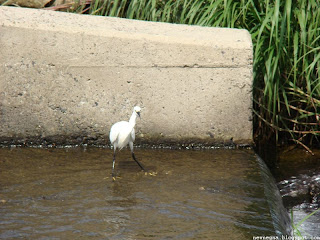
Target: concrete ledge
(68, 77)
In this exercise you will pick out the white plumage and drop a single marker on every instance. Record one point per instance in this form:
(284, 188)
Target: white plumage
(123, 133)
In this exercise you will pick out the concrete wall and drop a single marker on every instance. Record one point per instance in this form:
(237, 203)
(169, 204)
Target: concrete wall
(67, 78)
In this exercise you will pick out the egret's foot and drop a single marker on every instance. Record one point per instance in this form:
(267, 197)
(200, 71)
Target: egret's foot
(115, 178)
(151, 173)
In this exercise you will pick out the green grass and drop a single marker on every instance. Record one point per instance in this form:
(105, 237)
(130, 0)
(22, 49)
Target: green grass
(286, 38)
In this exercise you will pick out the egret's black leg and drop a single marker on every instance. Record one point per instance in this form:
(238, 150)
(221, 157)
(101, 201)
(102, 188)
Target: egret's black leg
(113, 163)
(134, 158)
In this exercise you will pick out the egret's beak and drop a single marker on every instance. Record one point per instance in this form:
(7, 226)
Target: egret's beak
(139, 114)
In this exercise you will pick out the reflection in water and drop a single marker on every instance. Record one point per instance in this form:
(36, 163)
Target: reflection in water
(69, 193)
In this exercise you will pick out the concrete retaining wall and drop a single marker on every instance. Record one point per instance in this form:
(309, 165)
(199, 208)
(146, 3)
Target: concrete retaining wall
(66, 78)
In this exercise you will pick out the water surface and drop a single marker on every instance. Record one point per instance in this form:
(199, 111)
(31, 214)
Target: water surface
(69, 194)
(298, 171)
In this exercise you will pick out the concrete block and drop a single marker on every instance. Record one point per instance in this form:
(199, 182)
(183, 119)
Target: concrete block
(67, 78)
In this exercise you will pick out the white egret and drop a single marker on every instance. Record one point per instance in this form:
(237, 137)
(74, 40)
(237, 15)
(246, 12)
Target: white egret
(121, 134)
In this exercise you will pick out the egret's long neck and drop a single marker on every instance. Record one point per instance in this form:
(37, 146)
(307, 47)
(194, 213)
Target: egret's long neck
(133, 118)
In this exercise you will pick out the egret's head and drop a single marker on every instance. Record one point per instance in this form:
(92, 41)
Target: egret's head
(137, 109)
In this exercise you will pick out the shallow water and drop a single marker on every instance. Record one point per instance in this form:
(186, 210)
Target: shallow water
(297, 171)
(69, 194)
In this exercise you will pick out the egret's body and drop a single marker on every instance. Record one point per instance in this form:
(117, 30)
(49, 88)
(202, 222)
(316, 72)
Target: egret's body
(122, 133)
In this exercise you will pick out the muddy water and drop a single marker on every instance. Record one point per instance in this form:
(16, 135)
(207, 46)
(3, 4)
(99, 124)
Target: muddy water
(69, 194)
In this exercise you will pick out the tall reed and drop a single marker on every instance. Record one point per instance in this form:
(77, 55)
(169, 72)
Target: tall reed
(286, 38)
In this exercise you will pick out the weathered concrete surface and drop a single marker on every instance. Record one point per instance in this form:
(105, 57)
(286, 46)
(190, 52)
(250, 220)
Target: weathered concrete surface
(68, 77)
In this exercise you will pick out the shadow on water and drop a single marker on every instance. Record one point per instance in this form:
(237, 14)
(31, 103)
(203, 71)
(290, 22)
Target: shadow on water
(68, 194)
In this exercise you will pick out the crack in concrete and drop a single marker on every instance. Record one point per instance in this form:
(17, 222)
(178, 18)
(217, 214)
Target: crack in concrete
(161, 66)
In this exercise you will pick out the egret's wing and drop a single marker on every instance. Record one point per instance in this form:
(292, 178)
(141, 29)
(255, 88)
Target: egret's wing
(120, 134)
(113, 134)
(115, 130)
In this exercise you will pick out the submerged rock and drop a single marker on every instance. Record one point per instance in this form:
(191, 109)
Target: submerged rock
(314, 192)
(301, 190)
